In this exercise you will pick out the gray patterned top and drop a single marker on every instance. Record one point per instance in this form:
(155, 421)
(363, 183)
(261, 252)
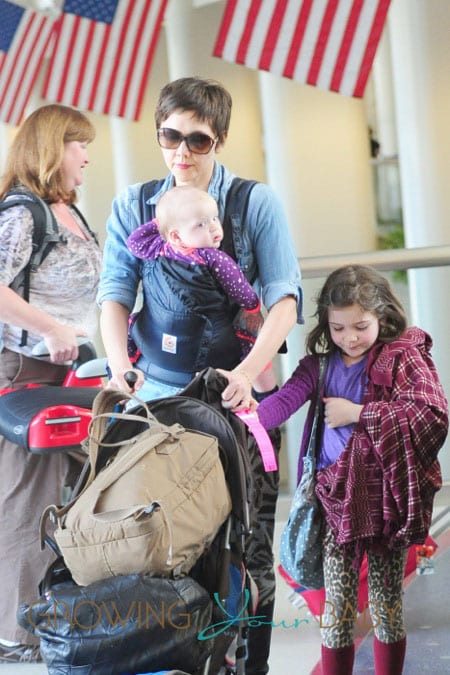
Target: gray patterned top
(65, 284)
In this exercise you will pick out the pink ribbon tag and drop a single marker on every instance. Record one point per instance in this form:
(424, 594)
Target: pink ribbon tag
(262, 438)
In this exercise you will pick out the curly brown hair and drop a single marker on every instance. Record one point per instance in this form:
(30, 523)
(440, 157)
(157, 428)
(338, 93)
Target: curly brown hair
(356, 285)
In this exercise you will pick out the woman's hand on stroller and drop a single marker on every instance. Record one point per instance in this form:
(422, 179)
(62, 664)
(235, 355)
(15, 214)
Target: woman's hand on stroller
(237, 395)
(127, 379)
(62, 343)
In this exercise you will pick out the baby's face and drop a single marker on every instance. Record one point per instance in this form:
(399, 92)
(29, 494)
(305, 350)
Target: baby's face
(201, 227)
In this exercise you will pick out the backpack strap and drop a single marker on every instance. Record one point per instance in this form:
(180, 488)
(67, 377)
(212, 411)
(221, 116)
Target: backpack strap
(45, 236)
(147, 190)
(85, 223)
(45, 228)
(236, 206)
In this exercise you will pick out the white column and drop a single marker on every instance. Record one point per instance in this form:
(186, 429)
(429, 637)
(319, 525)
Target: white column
(179, 29)
(122, 152)
(5, 140)
(384, 97)
(419, 33)
(318, 161)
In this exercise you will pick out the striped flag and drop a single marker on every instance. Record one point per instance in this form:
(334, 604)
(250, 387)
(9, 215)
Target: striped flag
(103, 54)
(329, 44)
(24, 37)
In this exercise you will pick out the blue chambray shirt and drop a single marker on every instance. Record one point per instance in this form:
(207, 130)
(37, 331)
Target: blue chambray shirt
(265, 232)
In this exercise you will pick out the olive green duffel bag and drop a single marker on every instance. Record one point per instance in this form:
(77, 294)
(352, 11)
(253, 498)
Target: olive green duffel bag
(153, 508)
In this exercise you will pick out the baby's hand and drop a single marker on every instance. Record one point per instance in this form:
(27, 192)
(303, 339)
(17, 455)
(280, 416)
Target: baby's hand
(249, 321)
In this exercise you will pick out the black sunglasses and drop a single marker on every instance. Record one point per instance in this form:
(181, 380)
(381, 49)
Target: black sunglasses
(197, 142)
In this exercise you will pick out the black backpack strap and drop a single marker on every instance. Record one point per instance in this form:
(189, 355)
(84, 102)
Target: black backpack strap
(147, 190)
(236, 206)
(45, 236)
(85, 223)
(45, 227)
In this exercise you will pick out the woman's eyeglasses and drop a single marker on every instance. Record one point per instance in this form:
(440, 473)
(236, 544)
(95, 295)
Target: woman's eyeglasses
(197, 142)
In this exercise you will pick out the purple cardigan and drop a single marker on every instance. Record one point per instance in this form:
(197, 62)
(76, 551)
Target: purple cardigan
(299, 388)
(381, 488)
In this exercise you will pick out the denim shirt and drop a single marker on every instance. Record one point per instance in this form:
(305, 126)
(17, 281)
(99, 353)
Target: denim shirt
(265, 231)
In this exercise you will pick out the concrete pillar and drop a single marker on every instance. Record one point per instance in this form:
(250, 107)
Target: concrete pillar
(5, 140)
(316, 149)
(384, 98)
(385, 166)
(122, 152)
(421, 72)
(180, 29)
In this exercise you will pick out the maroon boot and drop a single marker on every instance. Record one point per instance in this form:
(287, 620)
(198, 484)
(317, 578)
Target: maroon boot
(389, 656)
(338, 661)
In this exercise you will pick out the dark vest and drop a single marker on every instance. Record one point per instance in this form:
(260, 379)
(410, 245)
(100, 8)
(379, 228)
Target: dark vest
(186, 322)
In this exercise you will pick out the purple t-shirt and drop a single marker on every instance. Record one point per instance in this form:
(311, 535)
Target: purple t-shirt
(344, 382)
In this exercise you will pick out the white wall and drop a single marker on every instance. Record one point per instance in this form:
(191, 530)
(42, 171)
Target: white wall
(419, 34)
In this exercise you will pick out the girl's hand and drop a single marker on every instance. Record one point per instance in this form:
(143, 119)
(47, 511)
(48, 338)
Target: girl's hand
(253, 405)
(339, 412)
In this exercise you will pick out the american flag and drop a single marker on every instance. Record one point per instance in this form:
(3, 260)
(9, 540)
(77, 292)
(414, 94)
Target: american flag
(103, 54)
(330, 44)
(24, 37)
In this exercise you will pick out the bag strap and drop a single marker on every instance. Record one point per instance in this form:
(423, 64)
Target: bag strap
(103, 410)
(124, 463)
(45, 235)
(235, 214)
(147, 190)
(85, 223)
(312, 443)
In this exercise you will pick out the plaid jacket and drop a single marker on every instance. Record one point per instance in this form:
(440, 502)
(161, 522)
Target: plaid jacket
(382, 486)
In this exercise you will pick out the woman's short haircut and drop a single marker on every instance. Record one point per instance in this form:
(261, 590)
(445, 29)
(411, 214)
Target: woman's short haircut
(207, 99)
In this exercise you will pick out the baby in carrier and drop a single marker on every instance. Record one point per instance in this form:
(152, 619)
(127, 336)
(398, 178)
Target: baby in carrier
(202, 280)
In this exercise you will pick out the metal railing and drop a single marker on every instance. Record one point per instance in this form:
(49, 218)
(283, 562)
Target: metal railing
(383, 261)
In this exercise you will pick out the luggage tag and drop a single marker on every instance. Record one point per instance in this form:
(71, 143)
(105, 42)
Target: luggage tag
(262, 438)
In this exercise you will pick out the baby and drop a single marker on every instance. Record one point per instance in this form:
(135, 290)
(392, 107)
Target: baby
(187, 229)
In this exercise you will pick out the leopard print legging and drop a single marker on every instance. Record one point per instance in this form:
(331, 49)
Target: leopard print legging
(385, 580)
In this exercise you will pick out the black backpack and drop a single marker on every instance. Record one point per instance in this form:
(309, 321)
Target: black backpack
(45, 236)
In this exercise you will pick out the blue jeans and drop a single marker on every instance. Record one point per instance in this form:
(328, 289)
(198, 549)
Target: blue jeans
(152, 389)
